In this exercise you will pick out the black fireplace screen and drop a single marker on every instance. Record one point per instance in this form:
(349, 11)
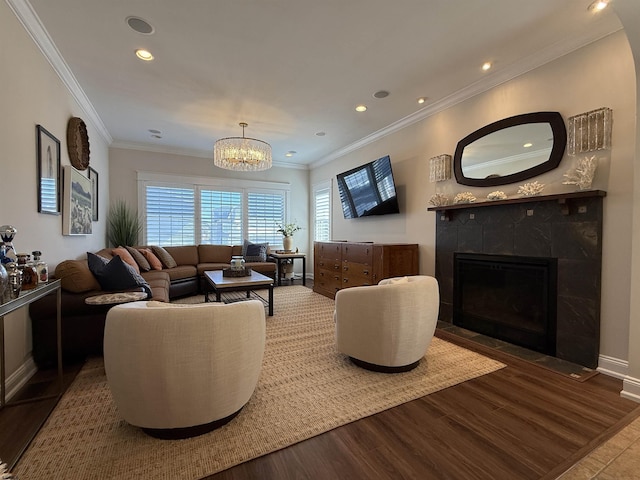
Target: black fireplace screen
(508, 297)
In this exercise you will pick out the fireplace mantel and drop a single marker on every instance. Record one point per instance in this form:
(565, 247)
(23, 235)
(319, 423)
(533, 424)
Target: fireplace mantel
(562, 198)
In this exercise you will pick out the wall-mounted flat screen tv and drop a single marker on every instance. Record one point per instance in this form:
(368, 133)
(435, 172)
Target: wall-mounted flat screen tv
(368, 190)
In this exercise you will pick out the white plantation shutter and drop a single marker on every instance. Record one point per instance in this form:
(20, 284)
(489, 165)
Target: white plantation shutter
(221, 217)
(213, 212)
(265, 210)
(322, 214)
(169, 213)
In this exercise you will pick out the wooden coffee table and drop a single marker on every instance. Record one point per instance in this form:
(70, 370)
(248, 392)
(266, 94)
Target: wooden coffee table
(256, 281)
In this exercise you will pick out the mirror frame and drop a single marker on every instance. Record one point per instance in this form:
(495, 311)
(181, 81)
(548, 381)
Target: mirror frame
(554, 119)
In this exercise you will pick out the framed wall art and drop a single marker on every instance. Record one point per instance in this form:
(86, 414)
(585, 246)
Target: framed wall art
(93, 177)
(48, 168)
(76, 211)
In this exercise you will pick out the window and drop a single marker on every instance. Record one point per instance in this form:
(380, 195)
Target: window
(221, 217)
(169, 213)
(322, 212)
(214, 213)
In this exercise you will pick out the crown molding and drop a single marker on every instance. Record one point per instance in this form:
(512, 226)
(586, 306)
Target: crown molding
(525, 65)
(34, 27)
(187, 152)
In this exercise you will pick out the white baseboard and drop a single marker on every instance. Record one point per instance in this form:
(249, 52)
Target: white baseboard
(618, 368)
(631, 389)
(614, 367)
(20, 377)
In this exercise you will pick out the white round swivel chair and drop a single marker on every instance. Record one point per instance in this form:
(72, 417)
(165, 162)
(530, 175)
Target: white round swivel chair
(178, 371)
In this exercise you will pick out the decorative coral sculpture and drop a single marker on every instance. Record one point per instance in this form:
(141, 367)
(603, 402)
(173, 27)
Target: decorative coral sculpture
(530, 189)
(582, 175)
(464, 197)
(438, 200)
(497, 195)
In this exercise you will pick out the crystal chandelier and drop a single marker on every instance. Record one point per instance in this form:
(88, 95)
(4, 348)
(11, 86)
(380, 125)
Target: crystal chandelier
(241, 153)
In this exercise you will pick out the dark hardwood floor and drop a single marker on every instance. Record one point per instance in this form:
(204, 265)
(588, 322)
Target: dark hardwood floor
(521, 422)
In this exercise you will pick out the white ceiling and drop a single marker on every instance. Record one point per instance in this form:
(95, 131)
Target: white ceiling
(292, 68)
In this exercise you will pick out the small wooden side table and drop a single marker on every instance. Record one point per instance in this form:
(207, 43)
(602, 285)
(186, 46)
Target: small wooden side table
(281, 258)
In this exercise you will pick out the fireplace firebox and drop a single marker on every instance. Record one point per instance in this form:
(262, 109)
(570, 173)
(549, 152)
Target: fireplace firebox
(509, 297)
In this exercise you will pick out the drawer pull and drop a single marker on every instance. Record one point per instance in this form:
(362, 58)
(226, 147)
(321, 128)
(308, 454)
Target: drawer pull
(366, 272)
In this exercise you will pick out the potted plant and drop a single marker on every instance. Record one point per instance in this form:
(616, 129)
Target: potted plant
(124, 225)
(287, 230)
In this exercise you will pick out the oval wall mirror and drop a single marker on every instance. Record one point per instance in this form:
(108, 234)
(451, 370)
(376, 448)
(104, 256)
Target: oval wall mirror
(511, 150)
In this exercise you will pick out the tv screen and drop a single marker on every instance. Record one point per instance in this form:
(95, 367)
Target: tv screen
(368, 190)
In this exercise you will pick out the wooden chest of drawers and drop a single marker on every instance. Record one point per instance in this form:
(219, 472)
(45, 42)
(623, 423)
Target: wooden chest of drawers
(340, 265)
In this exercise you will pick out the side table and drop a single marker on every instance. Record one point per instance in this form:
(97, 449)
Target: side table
(281, 258)
(25, 298)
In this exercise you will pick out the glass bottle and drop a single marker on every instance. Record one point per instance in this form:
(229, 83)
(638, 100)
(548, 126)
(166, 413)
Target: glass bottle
(42, 269)
(29, 274)
(15, 281)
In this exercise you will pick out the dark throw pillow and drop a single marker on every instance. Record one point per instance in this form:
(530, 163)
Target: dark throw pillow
(164, 256)
(142, 262)
(254, 252)
(115, 274)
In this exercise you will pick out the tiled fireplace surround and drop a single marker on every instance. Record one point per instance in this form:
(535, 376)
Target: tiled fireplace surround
(564, 226)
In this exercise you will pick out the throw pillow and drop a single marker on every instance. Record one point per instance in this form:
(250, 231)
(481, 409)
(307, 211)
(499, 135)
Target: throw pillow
(124, 254)
(76, 277)
(254, 252)
(154, 261)
(116, 275)
(164, 256)
(139, 258)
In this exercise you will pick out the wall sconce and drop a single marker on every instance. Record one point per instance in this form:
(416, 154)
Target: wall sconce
(440, 168)
(590, 131)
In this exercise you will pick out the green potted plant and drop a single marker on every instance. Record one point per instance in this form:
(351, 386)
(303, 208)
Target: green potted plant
(124, 225)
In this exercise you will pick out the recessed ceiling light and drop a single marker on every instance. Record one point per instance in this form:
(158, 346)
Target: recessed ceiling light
(139, 25)
(320, 134)
(361, 108)
(598, 6)
(486, 66)
(155, 135)
(527, 145)
(381, 94)
(143, 54)
(421, 100)
(290, 153)
(153, 130)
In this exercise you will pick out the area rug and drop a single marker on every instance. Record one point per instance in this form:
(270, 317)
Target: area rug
(306, 388)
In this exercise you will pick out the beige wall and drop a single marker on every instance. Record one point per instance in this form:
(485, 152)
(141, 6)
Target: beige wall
(629, 13)
(599, 75)
(31, 93)
(125, 165)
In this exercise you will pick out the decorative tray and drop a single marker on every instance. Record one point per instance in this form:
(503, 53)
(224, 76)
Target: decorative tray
(245, 272)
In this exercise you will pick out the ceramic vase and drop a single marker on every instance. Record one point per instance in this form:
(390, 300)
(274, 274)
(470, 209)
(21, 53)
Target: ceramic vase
(287, 243)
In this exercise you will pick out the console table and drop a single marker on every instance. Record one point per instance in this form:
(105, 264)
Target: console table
(25, 298)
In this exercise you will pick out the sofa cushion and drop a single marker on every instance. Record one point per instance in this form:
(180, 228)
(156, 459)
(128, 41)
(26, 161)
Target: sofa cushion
(181, 272)
(115, 274)
(164, 256)
(154, 261)
(76, 277)
(254, 252)
(142, 262)
(126, 257)
(208, 267)
(183, 255)
(159, 283)
(215, 253)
